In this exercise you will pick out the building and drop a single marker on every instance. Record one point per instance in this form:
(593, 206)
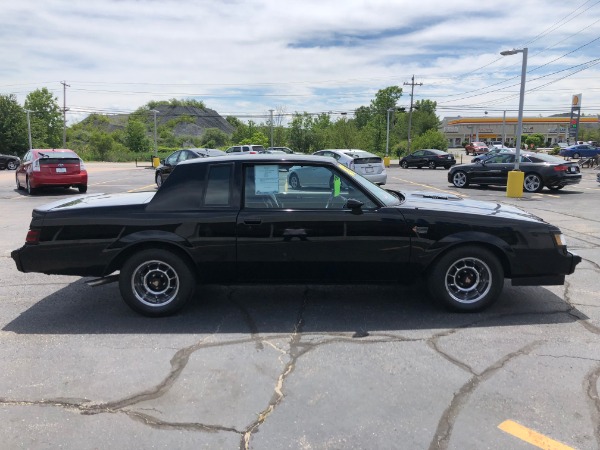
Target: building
(473, 129)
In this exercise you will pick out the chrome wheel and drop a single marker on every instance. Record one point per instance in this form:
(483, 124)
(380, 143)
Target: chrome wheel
(404, 165)
(468, 280)
(11, 165)
(294, 181)
(460, 179)
(155, 283)
(432, 165)
(532, 183)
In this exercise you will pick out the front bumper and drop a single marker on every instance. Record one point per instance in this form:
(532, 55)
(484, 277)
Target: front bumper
(562, 267)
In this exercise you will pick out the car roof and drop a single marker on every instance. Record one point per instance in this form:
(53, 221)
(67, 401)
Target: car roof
(265, 158)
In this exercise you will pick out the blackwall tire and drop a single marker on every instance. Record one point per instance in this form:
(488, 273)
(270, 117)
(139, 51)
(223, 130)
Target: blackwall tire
(158, 180)
(156, 282)
(82, 188)
(404, 165)
(432, 165)
(294, 181)
(466, 279)
(11, 165)
(533, 183)
(460, 179)
(30, 190)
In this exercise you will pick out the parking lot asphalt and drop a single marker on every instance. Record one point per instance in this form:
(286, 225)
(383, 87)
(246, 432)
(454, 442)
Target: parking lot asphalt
(302, 367)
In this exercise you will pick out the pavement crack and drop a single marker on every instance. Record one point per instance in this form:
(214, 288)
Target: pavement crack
(247, 317)
(153, 422)
(446, 423)
(295, 352)
(591, 387)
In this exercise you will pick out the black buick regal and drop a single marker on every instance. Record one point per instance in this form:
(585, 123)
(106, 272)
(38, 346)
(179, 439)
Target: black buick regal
(237, 219)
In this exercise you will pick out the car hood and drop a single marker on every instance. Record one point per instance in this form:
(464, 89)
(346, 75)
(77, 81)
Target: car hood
(98, 201)
(440, 201)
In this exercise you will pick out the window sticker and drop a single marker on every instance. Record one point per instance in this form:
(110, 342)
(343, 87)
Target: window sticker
(266, 179)
(337, 185)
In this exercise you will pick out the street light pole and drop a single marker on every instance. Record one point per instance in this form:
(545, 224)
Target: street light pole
(387, 142)
(271, 121)
(155, 140)
(29, 128)
(514, 187)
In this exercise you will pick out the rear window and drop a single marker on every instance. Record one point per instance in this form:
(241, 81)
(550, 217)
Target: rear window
(368, 160)
(58, 158)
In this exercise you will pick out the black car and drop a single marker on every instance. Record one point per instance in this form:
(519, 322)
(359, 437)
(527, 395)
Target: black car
(235, 219)
(429, 157)
(539, 170)
(168, 164)
(9, 162)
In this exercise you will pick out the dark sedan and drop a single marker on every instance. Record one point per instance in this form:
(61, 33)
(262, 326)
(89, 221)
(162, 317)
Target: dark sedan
(167, 165)
(431, 158)
(234, 219)
(539, 170)
(9, 162)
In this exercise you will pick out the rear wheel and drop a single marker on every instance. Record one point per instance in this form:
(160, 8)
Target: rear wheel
(533, 183)
(432, 165)
(82, 188)
(404, 165)
(294, 181)
(466, 279)
(460, 179)
(156, 282)
(30, 190)
(158, 179)
(12, 165)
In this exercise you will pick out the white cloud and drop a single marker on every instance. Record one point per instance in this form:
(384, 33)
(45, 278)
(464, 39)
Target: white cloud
(245, 57)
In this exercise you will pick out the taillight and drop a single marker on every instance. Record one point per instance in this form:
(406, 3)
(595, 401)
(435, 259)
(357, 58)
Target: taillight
(33, 237)
(560, 168)
(35, 166)
(81, 165)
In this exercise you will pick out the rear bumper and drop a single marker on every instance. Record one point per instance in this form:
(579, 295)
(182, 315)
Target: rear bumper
(380, 178)
(40, 180)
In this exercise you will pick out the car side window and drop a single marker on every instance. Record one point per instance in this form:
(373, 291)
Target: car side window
(218, 185)
(418, 153)
(172, 159)
(286, 186)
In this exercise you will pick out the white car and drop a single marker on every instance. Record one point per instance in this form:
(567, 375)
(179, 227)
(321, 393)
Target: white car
(362, 162)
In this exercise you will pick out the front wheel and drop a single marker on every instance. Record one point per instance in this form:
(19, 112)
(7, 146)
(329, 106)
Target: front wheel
(460, 179)
(466, 279)
(11, 165)
(533, 183)
(576, 155)
(159, 179)
(432, 165)
(156, 282)
(404, 165)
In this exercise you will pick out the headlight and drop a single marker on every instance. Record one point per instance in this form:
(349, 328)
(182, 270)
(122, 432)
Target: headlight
(559, 239)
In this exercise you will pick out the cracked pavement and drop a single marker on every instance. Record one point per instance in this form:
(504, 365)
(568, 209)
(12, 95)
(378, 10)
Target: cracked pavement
(309, 367)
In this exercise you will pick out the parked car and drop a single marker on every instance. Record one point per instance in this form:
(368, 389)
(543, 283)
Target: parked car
(431, 158)
(496, 144)
(282, 149)
(362, 162)
(51, 168)
(539, 170)
(9, 162)
(492, 152)
(579, 151)
(234, 219)
(476, 148)
(167, 165)
(248, 149)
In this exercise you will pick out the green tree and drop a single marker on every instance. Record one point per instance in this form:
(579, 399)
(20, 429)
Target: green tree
(258, 138)
(136, 138)
(101, 144)
(424, 117)
(214, 138)
(13, 126)
(430, 139)
(46, 120)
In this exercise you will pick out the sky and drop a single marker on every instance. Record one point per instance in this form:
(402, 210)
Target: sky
(247, 57)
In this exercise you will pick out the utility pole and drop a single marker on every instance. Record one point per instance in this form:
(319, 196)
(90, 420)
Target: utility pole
(155, 140)
(65, 109)
(271, 111)
(412, 85)
(29, 127)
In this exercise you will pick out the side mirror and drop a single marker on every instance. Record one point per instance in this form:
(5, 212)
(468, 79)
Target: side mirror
(162, 161)
(354, 204)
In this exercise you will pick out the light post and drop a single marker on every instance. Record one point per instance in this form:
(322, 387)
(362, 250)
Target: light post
(514, 186)
(271, 123)
(155, 160)
(29, 128)
(386, 160)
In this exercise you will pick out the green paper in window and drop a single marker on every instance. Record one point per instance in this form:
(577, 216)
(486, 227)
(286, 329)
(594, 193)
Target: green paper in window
(337, 184)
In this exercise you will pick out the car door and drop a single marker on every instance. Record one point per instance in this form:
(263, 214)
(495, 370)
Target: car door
(417, 158)
(493, 170)
(22, 169)
(287, 235)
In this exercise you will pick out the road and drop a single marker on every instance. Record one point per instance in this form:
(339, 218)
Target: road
(302, 367)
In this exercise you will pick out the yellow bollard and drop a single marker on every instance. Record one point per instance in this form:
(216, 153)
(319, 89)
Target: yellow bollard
(514, 185)
(155, 161)
(386, 161)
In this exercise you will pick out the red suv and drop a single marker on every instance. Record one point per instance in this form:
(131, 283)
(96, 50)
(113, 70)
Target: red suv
(476, 148)
(51, 168)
